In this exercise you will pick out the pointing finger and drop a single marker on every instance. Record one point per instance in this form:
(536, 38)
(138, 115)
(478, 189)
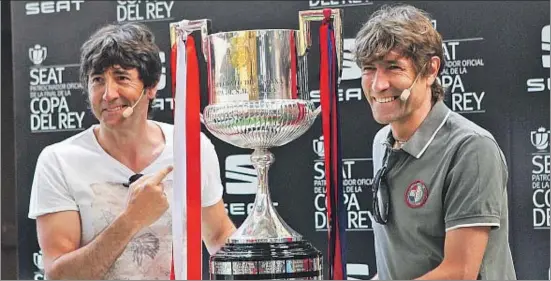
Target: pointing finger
(159, 176)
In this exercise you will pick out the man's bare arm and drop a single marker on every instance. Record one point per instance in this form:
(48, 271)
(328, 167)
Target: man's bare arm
(463, 253)
(59, 238)
(217, 227)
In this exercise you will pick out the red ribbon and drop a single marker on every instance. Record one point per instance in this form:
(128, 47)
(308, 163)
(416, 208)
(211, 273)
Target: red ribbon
(336, 212)
(193, 164)
(193, 160)
(294, 89)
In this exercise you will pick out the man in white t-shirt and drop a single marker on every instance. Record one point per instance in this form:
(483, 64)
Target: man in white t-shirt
(93, 221)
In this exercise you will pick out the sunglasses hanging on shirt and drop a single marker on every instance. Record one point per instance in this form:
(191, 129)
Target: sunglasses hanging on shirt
(381, 193)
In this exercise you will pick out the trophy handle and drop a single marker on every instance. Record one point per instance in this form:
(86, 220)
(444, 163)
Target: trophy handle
(180, 30)
(304, 39)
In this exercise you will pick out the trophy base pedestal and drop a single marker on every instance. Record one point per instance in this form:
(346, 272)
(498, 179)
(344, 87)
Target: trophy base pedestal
(261, 261)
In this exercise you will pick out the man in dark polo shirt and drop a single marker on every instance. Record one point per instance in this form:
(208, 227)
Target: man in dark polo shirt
(440, 181)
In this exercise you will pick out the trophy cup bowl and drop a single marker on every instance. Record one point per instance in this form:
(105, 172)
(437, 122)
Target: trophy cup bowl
(259, 99)
(260, 124)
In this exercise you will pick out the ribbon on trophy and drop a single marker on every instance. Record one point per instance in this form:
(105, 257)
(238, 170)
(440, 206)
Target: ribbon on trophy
(187, 158)
(336, 209)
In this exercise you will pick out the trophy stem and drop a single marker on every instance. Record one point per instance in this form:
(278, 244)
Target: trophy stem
(262, 159)
(264, 246)
(263, 224)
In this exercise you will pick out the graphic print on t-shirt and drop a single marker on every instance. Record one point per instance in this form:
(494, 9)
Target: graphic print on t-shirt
(144, 245)
(148, 253)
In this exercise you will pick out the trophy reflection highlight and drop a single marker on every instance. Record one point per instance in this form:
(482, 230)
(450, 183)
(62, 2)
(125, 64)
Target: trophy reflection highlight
(259, 99)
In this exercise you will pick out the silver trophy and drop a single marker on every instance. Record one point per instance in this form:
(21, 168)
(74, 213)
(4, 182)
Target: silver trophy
(258, 99)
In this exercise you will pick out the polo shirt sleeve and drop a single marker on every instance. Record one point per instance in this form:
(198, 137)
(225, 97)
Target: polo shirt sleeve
(476, 185)
(212, 188)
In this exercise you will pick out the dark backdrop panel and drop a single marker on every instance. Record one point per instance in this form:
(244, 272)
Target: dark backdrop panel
(9, 219)
(529, 137)
(494, 51)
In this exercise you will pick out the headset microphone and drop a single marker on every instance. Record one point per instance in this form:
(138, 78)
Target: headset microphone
(130, 110)
(407, 92)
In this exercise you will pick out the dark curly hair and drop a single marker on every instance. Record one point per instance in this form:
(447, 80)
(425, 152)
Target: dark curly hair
(129, 45)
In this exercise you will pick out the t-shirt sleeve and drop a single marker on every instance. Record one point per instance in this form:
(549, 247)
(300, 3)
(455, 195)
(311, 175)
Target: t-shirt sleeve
(476, 185)
(212, 186)
(49, 192)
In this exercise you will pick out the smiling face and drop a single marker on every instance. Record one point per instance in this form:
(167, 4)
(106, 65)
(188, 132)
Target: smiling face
(383, 82)
(114, 90)
(391, 48)
(116, 63)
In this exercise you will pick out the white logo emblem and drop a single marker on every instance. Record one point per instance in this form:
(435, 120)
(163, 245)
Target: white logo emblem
(540, 138)
(545, 45)
(37, 259)
(317, 145)
(162, 80)
(357, 270)
(37, 54)
(240, 169)
(350, 71)
(49, 7)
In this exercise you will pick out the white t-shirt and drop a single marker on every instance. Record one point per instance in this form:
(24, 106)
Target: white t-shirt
(77, 174)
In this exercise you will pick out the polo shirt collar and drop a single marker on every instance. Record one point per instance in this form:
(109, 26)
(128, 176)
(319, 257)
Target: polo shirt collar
(424, 135)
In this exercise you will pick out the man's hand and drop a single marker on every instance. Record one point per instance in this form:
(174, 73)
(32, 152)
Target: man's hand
(59, 233)
(147, 201)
